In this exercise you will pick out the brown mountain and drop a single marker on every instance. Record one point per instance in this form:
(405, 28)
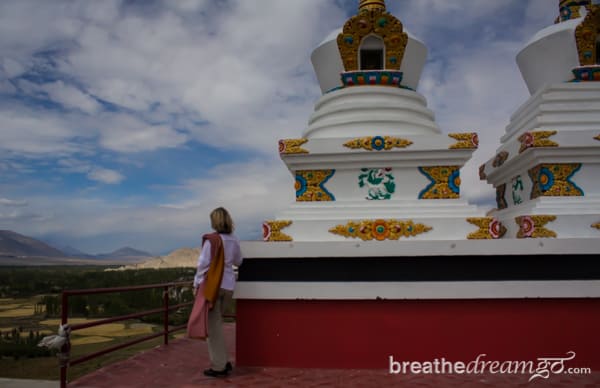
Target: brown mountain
(183, 257)
(13, 244)
(126, 253)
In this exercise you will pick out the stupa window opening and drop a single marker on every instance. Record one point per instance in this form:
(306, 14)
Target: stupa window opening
(597, 49)
(371, 53)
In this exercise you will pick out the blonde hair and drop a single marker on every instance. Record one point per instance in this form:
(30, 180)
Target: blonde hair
(221, 221)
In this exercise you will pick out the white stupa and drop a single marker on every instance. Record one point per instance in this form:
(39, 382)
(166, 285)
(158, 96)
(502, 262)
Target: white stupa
(373, 163)
(546, 172)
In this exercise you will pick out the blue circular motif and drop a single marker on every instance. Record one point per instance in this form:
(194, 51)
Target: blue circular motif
(454, 181)
(545, 179)
(378, 143)
(300, 185)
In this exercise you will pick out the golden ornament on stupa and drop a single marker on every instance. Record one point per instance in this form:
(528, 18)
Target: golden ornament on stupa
(371, 4)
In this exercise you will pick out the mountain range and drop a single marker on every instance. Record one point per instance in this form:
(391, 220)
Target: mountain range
(17, 248)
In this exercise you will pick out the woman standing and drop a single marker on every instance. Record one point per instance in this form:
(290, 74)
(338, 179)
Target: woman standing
(215, 278)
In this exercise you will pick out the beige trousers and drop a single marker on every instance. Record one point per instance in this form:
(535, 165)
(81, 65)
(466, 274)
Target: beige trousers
(217, 350)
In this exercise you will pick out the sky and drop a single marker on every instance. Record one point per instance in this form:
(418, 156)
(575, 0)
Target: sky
(125, 122)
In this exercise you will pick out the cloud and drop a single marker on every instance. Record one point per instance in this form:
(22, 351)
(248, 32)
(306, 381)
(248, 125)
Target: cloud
(36, 131)
(252, 191)
(104, 175)
(127, 133)
(91, 170)
(71, 97)
(11, 67)
(12, 202)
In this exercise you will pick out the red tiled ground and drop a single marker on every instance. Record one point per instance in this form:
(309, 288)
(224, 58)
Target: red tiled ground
(180, 365)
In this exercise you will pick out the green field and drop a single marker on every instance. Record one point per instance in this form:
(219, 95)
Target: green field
(32, 311)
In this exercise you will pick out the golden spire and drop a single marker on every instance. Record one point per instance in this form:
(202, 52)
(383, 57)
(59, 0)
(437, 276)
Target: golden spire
(371, 4)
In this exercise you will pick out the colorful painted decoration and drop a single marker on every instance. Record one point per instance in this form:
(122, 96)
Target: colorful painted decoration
(536, 139)
(444, 182)
(517, 189)
(586, 73)
(379, 230)
(465, 140)
(292, 146)
(377, 143)
(534, 226)
(489, 228)
(375, 21)
(500, 158)
(310, 185)
(554, 180)
(272, 231)
(372, 77)
(379, 181)
(585, 36)
(500, 197)
(482, 174)
(570, 9)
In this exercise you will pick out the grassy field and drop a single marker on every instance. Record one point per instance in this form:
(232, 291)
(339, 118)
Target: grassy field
(22, 313)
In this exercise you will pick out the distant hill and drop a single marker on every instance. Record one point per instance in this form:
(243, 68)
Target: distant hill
(13, 244)
(74, 252)
(183, 257)
(125, 253)
(17, 249)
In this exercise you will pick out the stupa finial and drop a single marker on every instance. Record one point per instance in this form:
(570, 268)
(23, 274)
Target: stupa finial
(371, 4)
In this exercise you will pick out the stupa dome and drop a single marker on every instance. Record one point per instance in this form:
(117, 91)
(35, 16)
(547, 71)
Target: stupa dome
(565, 51)
(353, 48)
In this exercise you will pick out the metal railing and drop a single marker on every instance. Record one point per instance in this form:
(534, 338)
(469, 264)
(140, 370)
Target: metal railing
(64, 355)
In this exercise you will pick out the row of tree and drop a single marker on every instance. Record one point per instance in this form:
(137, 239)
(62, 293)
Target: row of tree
(25, 282)
(16, 345)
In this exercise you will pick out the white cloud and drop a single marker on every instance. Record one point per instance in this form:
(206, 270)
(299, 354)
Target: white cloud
(125, 133)
(252, 191)
(104, 175)
(35, 131)
(12, 202)
(12, 68)
(92, 171)
(71, 97)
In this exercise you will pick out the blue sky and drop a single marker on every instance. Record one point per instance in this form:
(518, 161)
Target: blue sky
(126, 122)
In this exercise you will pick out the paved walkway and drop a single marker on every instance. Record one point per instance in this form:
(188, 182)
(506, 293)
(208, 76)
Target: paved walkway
(180, 365)
(23, 383)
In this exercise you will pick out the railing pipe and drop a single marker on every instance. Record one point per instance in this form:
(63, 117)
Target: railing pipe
(166, 315)
(64, 355)
(65, 349)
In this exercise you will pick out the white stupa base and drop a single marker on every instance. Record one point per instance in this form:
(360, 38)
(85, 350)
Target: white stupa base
(574, 216)
(446, 218)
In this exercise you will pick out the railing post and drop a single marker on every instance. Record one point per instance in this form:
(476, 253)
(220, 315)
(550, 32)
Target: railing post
(64, 354)
(166, 315)
(65, 349)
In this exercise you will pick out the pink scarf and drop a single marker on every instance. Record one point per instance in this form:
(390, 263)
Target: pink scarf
(208, 290)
